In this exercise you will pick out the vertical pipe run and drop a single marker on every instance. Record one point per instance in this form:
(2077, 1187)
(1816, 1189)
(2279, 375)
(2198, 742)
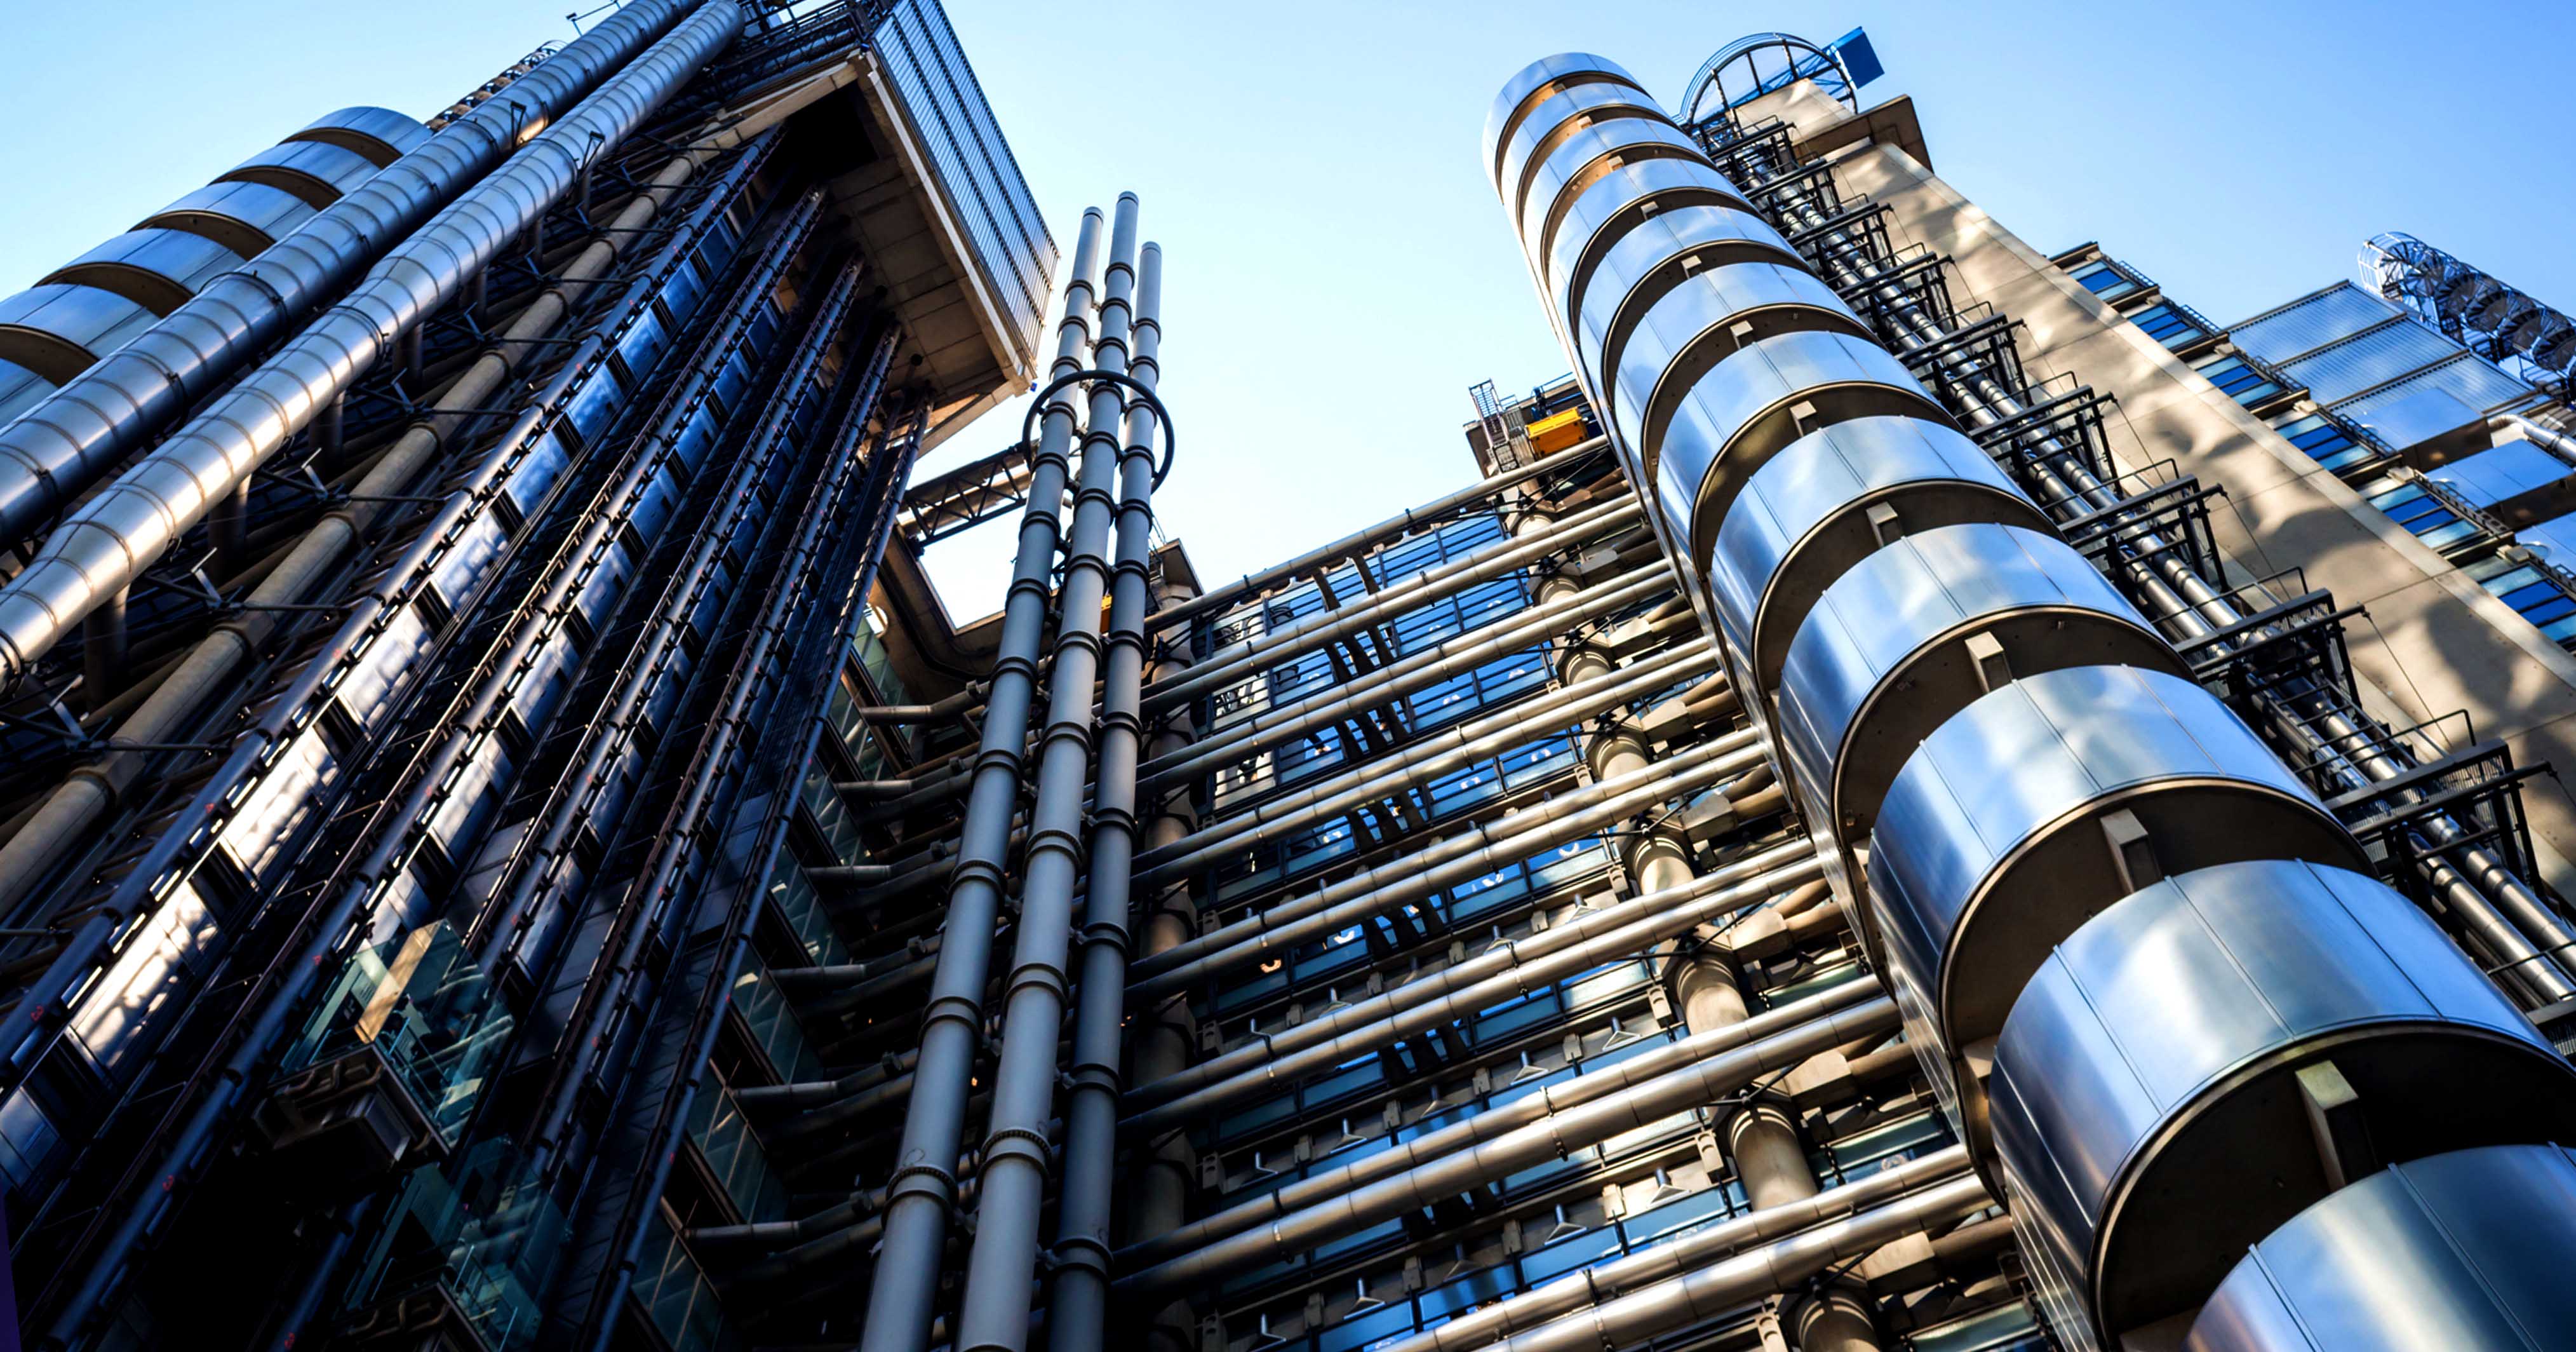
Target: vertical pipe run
(1078, 1312)
(923, 1192)
(1012, 1186)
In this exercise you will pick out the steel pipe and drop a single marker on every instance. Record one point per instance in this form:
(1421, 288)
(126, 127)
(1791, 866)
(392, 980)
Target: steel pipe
(994, 1312)
(1524, 1147)
(922, 1194)
(55, 450)
(1315, 630)
(1581, 1290)
(1463, 653)
(1401, 524)
(1421, 761)
(75, 806)
(1571, 816)
(1494, 1120)
(41, 1011)
(112, 538)
(1078, 1305)
(1506, 971)
(1776, 1268)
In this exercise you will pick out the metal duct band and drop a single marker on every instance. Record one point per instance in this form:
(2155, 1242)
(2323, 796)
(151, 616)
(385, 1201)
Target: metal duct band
(1558, 118)
(246, 218)
(1531, 85)
(2194, 1065)
(1832, 498)
(20, 388)
(2039, 805)
(1769, 393)
(60, 330)
(2468, 1251)
(316, 171)
(65, 443)
(155, 268)
(1921, 629)
(1650, 361)
(1657, 235)
(380, 134)
(1584, 159)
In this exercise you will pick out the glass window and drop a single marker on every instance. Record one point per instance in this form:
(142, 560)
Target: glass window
(2326, 442)
(2236, 379)
(2167, 324)
(2105, 280)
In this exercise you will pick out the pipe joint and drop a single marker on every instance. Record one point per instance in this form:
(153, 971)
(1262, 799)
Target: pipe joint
(1110, 816)
(1016, 1143)
(1038, 976)
(1051, 838)
(920, 1178)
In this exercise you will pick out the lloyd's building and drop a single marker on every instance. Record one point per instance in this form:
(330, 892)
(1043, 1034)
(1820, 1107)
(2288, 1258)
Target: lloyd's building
(1926, 797)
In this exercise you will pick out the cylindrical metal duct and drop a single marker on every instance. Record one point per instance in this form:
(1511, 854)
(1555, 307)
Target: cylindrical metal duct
(113, 537)
(2467, 1251)
(104, 413)
(2214, 1052)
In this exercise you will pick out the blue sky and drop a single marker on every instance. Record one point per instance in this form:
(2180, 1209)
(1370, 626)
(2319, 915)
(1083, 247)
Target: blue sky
(1338, 270)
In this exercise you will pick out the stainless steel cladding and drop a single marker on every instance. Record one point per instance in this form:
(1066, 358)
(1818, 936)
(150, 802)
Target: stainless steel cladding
(1648, 246)
(2046, 801)
(307, 214)
(2468, 1251)
(1926, 626)
(2154, 1087)
(116, 534)
(1764, 396)
(2170, 1074)
(1830, 499)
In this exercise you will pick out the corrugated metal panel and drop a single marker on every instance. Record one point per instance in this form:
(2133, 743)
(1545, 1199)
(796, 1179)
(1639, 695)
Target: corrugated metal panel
(2477, 386)
(2304, 326)
(2373, 357)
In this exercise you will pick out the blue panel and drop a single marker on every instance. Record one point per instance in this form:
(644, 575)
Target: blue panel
(1859, 57)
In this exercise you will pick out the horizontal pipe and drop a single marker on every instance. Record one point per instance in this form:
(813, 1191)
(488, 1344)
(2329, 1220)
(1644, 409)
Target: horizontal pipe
(1725, 1287)
(1402, 523)
(950, 707)
(1690, 1087)
(1308, 632)
(1417, 762)
(1281, 1060)
(1455, 859)
(1932, 1189)
(1462, 653)
(1493, 1121)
